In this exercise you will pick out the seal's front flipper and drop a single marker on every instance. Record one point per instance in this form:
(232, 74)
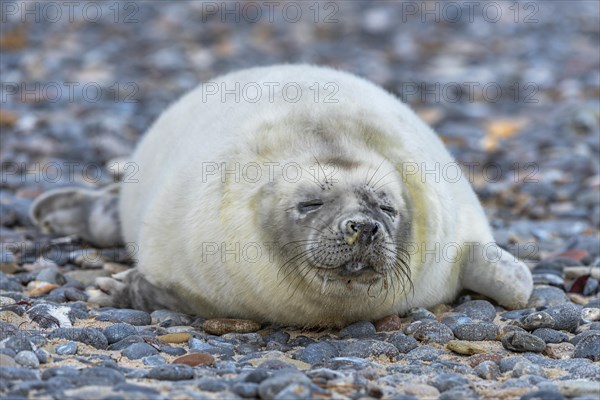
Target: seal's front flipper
(498, 275)
(130, 289)
(90, 214)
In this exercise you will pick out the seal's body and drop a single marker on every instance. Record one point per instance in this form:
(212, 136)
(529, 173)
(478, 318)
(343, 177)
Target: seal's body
(306, 196)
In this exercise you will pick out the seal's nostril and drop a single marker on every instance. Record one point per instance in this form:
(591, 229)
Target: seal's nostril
(351, 227)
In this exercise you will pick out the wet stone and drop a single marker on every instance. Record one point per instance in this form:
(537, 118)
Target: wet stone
(171, 372)
(316, 353)
(132, 317)
(521, 342)
(358, 330)
(89, 336)
(478, 310)
(476, 331)
(551, 335)
(453, 320)
(433, 332)
(117, 332)
(67, 348)
(527, 368)
(403, 343)
(27, 359)
(139, 350)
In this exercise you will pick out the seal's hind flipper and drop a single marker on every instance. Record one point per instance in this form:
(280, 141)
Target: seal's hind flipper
(90, 214)
(498, 275)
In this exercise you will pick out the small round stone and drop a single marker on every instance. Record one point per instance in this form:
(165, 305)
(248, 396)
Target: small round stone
(90, 336)
(171, 372)
(420, 314)
(154, 360)
(476, 331)
(369, 348)
(478, 310)
(247, 390)
(27, 359)
(195, 359)
(452, 320)
(487, 370)
(527, 368)
(546, 296)
(551, 335)
(67, 348)
(444, 382)
(403, 343)
(181, 337)
(588, 347)
(388, 324)
(359, 329)
(522, 341)
(540, 319)
(566, 316)
(132, 317)
(433, 332)
(19, 343)
(118, 332)
(270, 387)
(139, 350)
(316, 353)
(42, 355)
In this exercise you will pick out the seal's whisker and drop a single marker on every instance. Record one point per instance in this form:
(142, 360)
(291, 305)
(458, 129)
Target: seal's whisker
(375, 173)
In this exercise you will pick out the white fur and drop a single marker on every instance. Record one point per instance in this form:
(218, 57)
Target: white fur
(171, 211)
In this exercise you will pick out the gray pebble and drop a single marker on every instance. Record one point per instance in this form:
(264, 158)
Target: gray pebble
(133, 317)
(154, 360)
(478, 310)
(588, 347)
(317, 352)
(171, 372)
(444, 382)
(27, 359)
(101, 376)
(256, 376)
(476, 331)
(551, 335)
(270, 387)
(420, 313)
(591, 287)
(117, 332)
(424, 353)
(527, 368)
(139, 350)
(487, 370)
(452, 320)
(566, 316)
(368, 348)
(245, 389)
(539, 319)
(67, 348)
(543, 395)
(90, 336)
(19, 343)
(15, 373)
(403, 343)
(522, 341)
(433, 332)
(42, 355)
(358, 330)
(124, 343)
(546, 296)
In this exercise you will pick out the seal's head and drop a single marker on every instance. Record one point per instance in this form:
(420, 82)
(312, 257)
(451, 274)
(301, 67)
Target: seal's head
(344, 232)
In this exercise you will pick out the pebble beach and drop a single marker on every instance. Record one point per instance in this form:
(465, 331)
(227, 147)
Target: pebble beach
(513, 90)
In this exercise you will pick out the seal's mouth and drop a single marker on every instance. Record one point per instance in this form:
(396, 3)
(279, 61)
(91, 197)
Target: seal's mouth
(350, 274)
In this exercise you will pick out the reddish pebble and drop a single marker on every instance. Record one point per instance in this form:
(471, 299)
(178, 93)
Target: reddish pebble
(574, 254)
(477, 359)
(195, 359)
(389, 323)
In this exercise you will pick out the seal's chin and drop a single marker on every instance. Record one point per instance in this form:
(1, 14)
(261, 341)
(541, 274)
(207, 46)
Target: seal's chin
(351, 275)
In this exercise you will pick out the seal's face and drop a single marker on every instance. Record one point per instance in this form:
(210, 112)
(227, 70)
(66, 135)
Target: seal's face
(347, 234)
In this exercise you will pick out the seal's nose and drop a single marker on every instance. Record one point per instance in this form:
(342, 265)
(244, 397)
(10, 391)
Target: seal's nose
(363, 232)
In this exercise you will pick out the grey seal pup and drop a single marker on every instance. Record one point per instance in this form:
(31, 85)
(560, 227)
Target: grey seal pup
(292, 194)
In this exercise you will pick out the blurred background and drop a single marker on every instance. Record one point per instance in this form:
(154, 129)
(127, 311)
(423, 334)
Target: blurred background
(513, 88)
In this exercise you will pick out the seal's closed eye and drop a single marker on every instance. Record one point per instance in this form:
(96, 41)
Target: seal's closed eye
(388, 209)
(311, 205)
